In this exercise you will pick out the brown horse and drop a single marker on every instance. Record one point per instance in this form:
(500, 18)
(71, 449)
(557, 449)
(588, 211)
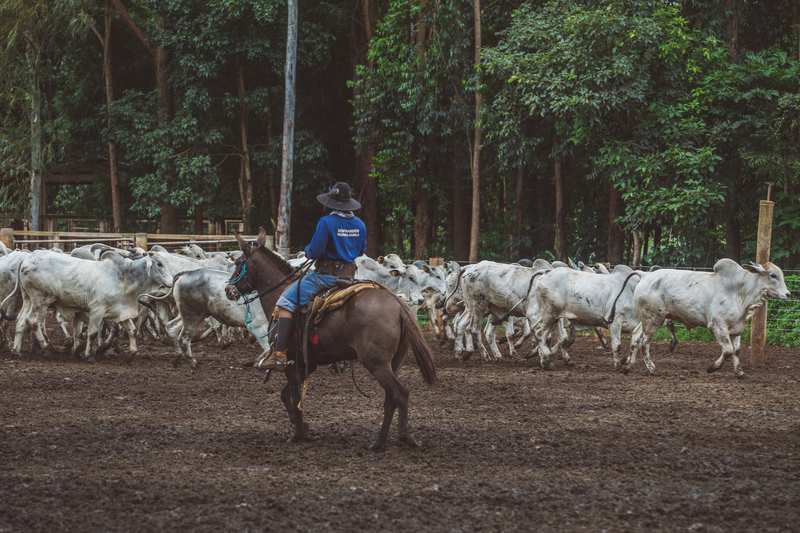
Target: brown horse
(374, 326)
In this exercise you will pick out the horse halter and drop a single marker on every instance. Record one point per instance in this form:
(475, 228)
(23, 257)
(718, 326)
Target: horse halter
(242, 275)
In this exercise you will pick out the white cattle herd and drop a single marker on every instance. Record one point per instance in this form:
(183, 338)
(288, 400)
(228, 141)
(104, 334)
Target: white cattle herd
(170, 295)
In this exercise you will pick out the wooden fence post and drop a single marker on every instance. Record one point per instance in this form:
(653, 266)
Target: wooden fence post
(7, 236)
(758, 325)
(140, 241)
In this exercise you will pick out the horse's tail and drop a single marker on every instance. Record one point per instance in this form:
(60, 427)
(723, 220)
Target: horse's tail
(422, 353)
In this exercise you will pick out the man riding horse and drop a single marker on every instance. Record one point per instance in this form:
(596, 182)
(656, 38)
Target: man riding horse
(340, 238)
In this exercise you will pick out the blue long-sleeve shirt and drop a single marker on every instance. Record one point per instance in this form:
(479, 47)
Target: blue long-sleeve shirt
(338, 238)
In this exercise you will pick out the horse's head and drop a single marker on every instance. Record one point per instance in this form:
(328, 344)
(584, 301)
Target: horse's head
(239, 284)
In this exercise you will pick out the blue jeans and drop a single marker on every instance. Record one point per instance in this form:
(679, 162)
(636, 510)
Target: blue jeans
(311, 285)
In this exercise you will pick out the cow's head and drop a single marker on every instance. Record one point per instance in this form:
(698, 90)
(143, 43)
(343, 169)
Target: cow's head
(773, 277)
(158, 274)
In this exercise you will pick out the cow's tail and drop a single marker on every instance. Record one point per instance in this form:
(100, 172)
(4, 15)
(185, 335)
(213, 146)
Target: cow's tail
(149, 298)
(16, 288)
(442, 302)
(610, 318)
(422, 353)
(498, 321)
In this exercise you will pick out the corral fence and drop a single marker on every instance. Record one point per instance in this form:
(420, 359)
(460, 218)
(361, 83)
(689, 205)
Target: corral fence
(67, 240)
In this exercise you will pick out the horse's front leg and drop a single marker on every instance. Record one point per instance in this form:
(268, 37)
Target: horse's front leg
(291, 398)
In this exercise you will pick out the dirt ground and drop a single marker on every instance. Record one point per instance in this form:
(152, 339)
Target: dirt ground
(506, 446)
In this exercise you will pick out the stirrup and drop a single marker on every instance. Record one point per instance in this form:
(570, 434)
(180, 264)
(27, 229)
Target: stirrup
(273, 362)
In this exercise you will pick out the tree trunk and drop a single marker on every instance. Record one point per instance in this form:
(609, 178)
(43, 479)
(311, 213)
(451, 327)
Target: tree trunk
(518, 210)
(475, 163)
(246, 177)
(199, 228)
(366, 187)
(422, 218)
(733, 236)
(113, 158)
(645, 243)
(732, 14)
(274, 193)
(657, 238)
(637, 249)
(170, 222)
(616, 237)
(461, 212)
(34, 56)
(561, 205)
(283, 233)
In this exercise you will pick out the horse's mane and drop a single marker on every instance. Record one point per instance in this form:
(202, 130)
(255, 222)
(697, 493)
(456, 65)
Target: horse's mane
(277, 260)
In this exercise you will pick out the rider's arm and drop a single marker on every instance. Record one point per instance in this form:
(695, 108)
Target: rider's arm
(319, 241)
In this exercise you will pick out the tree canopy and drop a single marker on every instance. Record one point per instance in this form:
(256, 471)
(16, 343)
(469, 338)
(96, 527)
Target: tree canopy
(610, 131)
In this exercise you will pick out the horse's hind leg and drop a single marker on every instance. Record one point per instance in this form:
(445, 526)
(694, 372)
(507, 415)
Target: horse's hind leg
(389, 408)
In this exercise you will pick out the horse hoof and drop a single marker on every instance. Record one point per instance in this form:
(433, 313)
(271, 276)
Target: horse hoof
(378, 446)
(656, 373)
(466, 356)
(741, 376)
(672, 346)
(711, 369)
(570, 363)
(295, 439)
(91, 360)
(175, 362)
(411, 441)
(248, 363)
(443, 341)
(625, 370)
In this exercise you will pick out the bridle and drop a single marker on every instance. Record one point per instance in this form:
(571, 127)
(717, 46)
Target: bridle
(253, 293)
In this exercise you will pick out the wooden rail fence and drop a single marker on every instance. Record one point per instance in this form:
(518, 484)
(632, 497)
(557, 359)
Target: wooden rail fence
(67, 241)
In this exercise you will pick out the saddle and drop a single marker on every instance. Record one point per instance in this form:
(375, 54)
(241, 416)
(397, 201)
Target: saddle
(308, 317)
(337, 296)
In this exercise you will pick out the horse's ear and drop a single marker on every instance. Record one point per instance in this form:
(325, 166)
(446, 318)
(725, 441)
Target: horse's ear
(243, 246)
(262, 237)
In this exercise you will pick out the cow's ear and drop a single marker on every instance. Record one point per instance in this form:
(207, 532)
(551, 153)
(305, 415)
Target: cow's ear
(180, 251)
(262, 237)
(394, 272)
(382, 260)
(426, 269)
(755, 268)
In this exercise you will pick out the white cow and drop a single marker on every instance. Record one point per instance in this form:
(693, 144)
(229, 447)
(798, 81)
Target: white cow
(433, 289)
(200, 294)
(496, 288)
(587, 300)
(405, 282)
(721, 301)
(87, 291)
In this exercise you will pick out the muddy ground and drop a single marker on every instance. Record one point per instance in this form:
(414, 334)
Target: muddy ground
(506, 447)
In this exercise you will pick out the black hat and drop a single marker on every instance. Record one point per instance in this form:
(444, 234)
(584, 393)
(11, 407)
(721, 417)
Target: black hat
(338, 197)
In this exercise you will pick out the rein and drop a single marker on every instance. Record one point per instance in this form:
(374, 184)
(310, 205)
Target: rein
(254, 294)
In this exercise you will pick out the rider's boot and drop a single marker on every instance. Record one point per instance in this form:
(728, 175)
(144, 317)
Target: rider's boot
(278, 359)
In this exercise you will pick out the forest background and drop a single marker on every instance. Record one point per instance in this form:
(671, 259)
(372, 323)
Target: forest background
(632, 131)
